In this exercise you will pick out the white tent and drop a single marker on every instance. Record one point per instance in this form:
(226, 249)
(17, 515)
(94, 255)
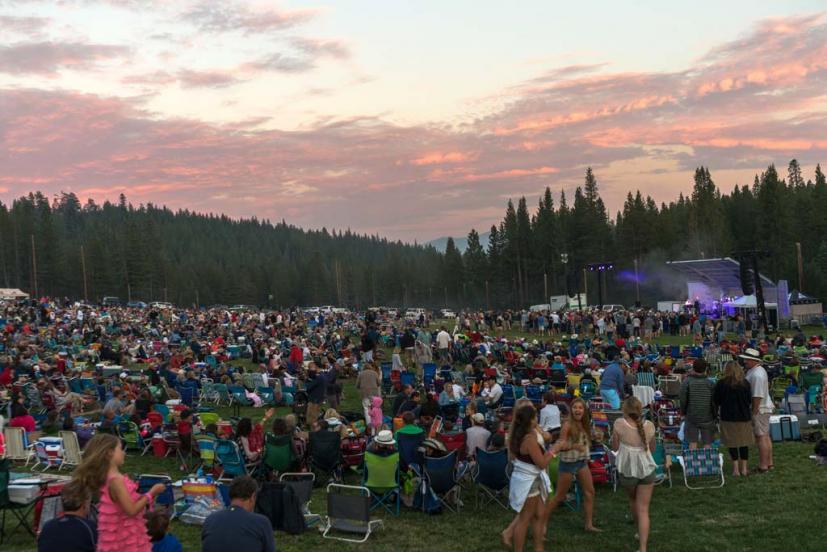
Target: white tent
(12, 293)
(747, 302)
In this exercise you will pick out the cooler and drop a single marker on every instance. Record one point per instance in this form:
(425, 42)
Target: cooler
(785, 428)
(225, 428)
(159, 446)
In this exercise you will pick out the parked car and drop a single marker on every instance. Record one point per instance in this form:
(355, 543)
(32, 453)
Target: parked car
(136, 305)
(111, 301)
(447, 313)
(161, 305)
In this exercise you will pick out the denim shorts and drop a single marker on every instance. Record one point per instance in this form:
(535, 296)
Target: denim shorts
(571, 467)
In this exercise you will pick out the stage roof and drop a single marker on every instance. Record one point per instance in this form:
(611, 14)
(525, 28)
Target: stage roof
(724, 273)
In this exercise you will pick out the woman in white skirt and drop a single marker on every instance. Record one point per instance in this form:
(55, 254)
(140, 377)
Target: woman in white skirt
(530, 484)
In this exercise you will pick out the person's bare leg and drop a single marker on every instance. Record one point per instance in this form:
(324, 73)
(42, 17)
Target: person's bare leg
(523, 520)
(644, 497)
(632, 494)
(584, 477)
(537, 526)
(763, 463)
(744, 467)
(563, 486)
(507, 534)
(770, 461)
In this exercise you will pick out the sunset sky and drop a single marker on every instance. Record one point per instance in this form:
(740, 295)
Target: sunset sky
(412, 119)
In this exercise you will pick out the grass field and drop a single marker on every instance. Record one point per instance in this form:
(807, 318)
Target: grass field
(779, 510)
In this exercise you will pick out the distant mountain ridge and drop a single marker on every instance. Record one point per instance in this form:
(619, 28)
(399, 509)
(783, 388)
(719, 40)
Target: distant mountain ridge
(462, 243)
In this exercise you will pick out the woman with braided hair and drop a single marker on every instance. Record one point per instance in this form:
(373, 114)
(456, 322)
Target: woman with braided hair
(634, 440)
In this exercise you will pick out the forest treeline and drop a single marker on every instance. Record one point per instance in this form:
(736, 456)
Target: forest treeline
(150, 252)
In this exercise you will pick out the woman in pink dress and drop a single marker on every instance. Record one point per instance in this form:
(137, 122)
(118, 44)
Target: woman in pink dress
(120, 517)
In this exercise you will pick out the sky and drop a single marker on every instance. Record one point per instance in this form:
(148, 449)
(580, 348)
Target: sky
(408, 119)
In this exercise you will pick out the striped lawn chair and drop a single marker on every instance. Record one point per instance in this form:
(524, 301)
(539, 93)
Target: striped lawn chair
(704, 465)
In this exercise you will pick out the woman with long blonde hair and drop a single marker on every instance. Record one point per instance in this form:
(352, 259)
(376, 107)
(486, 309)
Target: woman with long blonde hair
(732, 400)
(574, 447)
(120, 516)
(634, 440)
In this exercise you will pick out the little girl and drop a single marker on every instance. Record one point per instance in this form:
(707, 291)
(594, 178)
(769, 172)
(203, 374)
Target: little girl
(120, 516)
(376, 414)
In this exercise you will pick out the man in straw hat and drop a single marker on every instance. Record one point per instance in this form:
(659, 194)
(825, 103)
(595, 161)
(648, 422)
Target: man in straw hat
(762, 407)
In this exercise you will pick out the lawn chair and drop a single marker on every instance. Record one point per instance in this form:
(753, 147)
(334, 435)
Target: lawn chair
(409, 449)
(146, 481)
(508, 397)
(17, 445)
(662, 472)
(188, 394)
(325, 453)
(278, 453)
(208, 394)
(131, 437)
(206, 450)
(646, 378)
(669, 385)
(381, 478)
(492, 477)
(239, 395)
(387, 382)
(534, 393)
(454, 442)
(300, 401)
(348, 511)
(163, 410)
(230, 458)
(428, 375)
(706, 465)
(778, 388)
(302, 484)
(407, 378)
(222, 394)
(72, 455)
(268, 397)
(46, 456)
(588, 389)
(207, 418)
(441, 476)
(20, 511)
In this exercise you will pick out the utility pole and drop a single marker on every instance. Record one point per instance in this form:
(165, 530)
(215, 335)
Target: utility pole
(165, 295)
(34, 269)
(545, 286)
(83, 269)
(585, 286)
(800, 267)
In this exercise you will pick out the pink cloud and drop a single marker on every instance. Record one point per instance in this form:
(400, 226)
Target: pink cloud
(228, 16)
(210, 79)
(48, 57)
(756, 99)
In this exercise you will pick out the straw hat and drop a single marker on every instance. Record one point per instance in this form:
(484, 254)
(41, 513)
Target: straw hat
(385, 437)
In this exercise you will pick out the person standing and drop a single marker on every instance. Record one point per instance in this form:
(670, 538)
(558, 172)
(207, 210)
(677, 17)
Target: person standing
(443, 345)
(634, 440)
(316, 387)
(762, 407)
(368, 384)
(238, 527)
(611, 384)
(696, 404)
(733, 400)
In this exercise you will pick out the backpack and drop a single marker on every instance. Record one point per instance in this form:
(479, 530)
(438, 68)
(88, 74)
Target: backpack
(426, 500)
(278, 502)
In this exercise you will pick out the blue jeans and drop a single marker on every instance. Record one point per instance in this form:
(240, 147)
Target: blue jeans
(612, 397)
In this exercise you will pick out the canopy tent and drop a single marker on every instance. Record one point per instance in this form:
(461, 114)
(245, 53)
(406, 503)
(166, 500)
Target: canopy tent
(747, 302)
(12, 294)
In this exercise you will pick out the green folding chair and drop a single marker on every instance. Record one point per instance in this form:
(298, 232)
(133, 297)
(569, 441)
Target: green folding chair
(382, 480)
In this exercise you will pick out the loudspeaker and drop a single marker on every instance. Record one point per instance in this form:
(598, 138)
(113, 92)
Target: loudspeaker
(747, 265)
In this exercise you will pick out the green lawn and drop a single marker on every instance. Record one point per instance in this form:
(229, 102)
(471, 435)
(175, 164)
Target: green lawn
(779, 510)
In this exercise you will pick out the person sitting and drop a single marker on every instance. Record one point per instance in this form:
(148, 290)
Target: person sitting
(383, 445)
(107, 423)
(550, 414)
(492, 393)
(157, 524)
(409, 427)
(20, 417)
(476, 436)
(238, 527)
(52, 425)
(73, 531)
(429, 410)
(243, 431)
(497, 442)
(411, 404)
(184, 428)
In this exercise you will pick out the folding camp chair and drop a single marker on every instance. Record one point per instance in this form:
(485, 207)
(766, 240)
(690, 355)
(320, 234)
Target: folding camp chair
(588, 389)
(131, 437)
(302, 484)
(239, 396)
(208, 394)
(207, 418)
(454, 442)
(348, 510)
(267, 395)
(206, 450)
(381, 478)
(705, 465)
(492, 478)
(428, 375)
(325, 453)
(507, 400)
(534, 393)
(72, 455)
(17, 445)
(669, 385)
(278, 453)
(188, 394)
(146, 481)
(646, 378)
(409, 449)
(163, 410)
(441, 476)
(222, 394)
(230, 458)
(407, 378)
(20, 511)
(662, 472)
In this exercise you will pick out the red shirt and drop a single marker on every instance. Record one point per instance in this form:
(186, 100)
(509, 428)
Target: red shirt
(26, 422)
(184, 428)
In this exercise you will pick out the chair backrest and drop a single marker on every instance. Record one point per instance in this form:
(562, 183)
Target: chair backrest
(325, 448)
(492, 469)
(302, 484)
(163, 410)
(206, 450)
(646, 378)
(348, 507)
(5, 477)
(701, 462)
(15, 443)
(408, 445)
(208, 418)
(71, 448)
(454, 441)
(230, 458)
(440, 472)
(429, 370)
(146, 481)
(408, 378)
(381, 472)
(278, 452)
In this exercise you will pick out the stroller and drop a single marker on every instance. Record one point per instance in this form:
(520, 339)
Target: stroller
(300, 405)
(353, 450)
(669, 423)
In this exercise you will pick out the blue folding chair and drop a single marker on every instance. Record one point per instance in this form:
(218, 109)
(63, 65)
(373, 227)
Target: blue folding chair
(534, 393)
(507, 399)
(409, 452)
(491, 477)
(238, 395)
(146, 481)
(267, 395)
(441, 476)
(428, 374)
(408, 378)
(188, 394)
(229, 456)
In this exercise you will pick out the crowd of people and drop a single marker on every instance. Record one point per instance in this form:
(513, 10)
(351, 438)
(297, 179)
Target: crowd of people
(140, 359)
